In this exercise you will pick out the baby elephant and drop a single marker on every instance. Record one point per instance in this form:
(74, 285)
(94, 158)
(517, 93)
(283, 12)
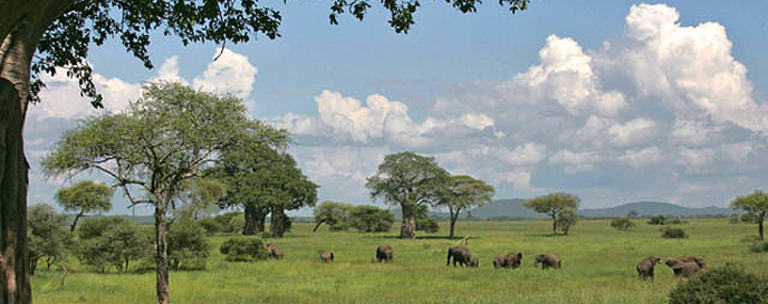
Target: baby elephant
(686, 266)
(274, 252)
(645, 267)
(460, 255)
(548, 260)
(474, 263)
(326, 256)
(384, 253)
(510, 260)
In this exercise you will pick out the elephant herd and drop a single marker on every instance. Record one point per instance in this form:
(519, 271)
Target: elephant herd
(681, 266)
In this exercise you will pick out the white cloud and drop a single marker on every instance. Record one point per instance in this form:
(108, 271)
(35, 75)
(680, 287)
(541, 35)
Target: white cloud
(476, 121)
(231, 72)
(574, 162)
(643, 157)
(696, 159)
(695, 133)
(169, 71)
(634, 132)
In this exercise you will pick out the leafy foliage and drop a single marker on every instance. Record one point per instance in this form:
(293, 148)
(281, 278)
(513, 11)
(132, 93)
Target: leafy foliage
(244, 249)
(409, 180)
(567, 219)
(463, 192)
(202, 198)
(657, 220)
(230, 222)
(370, 219)
(333, 214)
(673, 233)
(730, 284)
(46, 239)
(187, 248)
(553, 204)
(117, 245)
(755, 204)
(85, 197)
(622, 223)
(425, 222)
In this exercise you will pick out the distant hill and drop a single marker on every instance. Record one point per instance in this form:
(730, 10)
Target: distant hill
(655, 208)
(509, 208)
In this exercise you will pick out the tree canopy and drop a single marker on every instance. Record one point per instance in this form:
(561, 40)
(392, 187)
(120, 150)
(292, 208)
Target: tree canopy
(755, 204)
(85, 197)
(462, 192)
(333, 214)
(409, 180)
(553, 204)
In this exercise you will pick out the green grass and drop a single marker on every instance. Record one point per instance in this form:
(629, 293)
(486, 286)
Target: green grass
(598, 267)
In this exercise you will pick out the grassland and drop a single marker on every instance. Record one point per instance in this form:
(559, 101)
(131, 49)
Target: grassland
(598, 267)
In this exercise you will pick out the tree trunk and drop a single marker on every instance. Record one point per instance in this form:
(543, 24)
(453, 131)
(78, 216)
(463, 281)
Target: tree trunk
(408, 227)
(254, 221)
(760, 228)
(74, 224)
(318, 225)
(554, 225)
(454, 217)
(161, 251)
(277, 226)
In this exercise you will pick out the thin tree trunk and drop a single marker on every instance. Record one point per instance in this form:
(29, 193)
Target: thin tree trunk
(254, 221)
(277, 226)
(454, 217)
(74, 224)
(161, 252)
(760, 229)
(318, 225)
(554, 225)
(408, 227)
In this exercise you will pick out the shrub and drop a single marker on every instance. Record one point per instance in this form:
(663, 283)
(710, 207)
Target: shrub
(117, 246)
(46, 239)
(333, 214)
(187, 248)
(675, 221)
(428, 225)
(211, 225)
(673, 233)
(759, 247)
(370, 219)
(243, 249)
(94, 227)
(622, 223)
(725, 285)
(657, 220)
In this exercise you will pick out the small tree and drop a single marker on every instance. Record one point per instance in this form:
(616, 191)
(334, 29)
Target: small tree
(187, 248)
(409, 180)
(727, 285)
(333, 214)
(567, 219)
(371, 219)
(85, 197)
(657, 220)
(117, 245)
(552, 204)
(463, 192)
(244, 249)
(755, 204)
(622, 223)
(46, 240)
(424, 221)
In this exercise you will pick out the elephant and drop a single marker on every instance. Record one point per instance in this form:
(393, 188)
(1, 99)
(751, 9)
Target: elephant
(384, 253)
(326, 257)
(474, 263)
(548, 260)
(509, 260)
(460, 255)
(684, 269)
(274, 252)
(645, 267)
(698, 260)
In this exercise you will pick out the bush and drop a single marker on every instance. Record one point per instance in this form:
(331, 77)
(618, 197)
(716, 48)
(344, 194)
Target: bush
(230, 222)
(675, 221)
(47, 241)
(725, 285)
(187, 248)
(243, 249)
(759, 247)
(428, 225)
(657, 220)
(674, 233)
(333, 214)
(94, 227)
(117, 245)
(370, 219)
(211, 225)
(622, 223)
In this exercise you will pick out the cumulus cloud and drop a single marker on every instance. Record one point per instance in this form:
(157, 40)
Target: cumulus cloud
(476, 121)
(643, 157)
(575, 162)
(231, 72)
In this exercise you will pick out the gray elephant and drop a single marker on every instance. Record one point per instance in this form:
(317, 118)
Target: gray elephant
(686, 266)
(459, 255)
(384, 253)
(510, 260)
(686, 259)
(326, 257)
(645, 267)
(548, 260)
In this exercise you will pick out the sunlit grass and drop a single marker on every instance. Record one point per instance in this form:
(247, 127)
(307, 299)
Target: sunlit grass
(598, 267)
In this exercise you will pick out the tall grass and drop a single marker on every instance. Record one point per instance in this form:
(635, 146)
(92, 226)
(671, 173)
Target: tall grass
(598, 267)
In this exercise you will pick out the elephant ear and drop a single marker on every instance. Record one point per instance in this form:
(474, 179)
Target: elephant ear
(519, 255)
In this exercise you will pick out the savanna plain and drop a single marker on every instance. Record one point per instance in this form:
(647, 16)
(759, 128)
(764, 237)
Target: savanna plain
(598, 266)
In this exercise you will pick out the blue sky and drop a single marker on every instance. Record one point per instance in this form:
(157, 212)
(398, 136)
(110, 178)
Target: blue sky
(611, 100)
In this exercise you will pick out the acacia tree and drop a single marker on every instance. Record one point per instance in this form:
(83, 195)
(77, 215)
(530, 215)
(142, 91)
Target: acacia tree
(160, 142)
(756, 205)
(553, 204)
(333, 214)
(567, 219)
(202, 198)
(409, 180)
(39, 36)
(462, 192)
(85, 197)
